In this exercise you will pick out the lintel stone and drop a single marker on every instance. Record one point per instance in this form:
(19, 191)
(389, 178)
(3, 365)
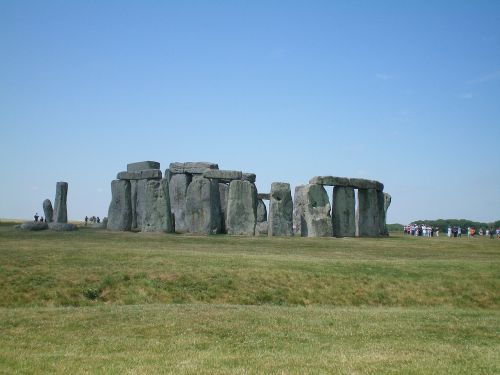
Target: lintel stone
(142, 165)
(140, 175)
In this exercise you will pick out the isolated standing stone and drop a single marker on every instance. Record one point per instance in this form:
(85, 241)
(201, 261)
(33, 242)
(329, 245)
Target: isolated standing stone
(369, 212)
(280, 210)
(223, 196)
(242, 208)
(60, 209)
(48, 211)
(203, 206)
(120, 208)
(343, 212)
(178, 186)
(311, 211)
(153, 206)
(261, 211)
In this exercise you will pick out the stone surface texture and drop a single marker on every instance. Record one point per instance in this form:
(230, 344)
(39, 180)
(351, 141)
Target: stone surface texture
(223, 197)
(330, 181)
(139, 175)
(261, 211)
(280, 210)
(264, 196)
(369, 213)
(261, 229)
(249, 177)
(203, 206)
(178, 186)
(191, 167)
(120, 208)
(153, 206)
(62, 227)
(242, 208)
(48, 211)
(344, 211)
(60, 209)
(223, 175)
(311, 211)
(142, 165)
(33, 225)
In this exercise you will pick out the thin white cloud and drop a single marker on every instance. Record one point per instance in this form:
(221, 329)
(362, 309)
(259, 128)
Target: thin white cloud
(486, 78)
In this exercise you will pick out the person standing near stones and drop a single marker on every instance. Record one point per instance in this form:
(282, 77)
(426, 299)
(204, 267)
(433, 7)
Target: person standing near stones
(36, 216)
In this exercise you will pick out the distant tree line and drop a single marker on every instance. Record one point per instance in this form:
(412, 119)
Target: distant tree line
(443, 224)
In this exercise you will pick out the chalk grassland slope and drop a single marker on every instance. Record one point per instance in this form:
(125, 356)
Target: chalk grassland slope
(99, 302)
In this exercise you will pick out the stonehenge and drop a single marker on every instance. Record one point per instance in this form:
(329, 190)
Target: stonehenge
(200, 198)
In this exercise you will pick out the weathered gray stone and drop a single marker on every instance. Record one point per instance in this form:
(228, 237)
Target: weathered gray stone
(140, 175)
(223, 196)
(264, 196)
(330, 181)
(120, 208)
(142, 165)
(62, 227)
(153, 206)
(261, 211)
(249, 177)
(242, 208)
(261, 229)
(369, 212)
(280, 210)
(178, 188)
(223, 175)
(387, 202)
(311, 211)
(48, 210)
(203, 206)
(361, 183)
(133, 203)
(33, 225)
(60, 209)
(343, 212)
(191, 167)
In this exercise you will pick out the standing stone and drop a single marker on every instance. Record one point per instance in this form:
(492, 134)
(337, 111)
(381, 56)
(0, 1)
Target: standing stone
(223, 196)
(153, 206)
(369, 212)
(120, 208)
(242, 208)
(133, 202)
(311, 211)
(280, 210)
(48, 211)
(60, 209)
(386, 199)
(203, 206)
(343, 212)
(178, 186)
(261, 211)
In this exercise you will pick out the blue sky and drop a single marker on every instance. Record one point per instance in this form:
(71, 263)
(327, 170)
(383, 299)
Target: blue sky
(404, 92)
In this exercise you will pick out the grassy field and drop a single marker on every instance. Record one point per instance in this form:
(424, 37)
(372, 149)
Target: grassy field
(93, 301)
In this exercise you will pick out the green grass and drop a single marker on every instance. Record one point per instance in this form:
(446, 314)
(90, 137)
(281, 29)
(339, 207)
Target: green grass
(93, 301)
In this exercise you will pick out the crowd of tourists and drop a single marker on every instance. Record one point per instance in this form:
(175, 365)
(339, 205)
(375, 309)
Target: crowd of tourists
(452, 232)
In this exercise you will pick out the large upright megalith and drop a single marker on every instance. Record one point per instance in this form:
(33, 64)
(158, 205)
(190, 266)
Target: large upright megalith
(178, 189)
(60, 209)
(311, 211)
(343, 211)
(203, 206)
(280, 210)
(223, 197)
(242, 208)
(153, 206)
(369, 212)
(120, 208)
(48, 211)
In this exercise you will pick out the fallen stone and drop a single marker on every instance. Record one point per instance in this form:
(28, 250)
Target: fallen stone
(120, 208)
(330, 181)
(153, 206)
(203, 206)
(264, 196)
(361, 183)
(178, 188)
(191, 167)
(280, 210)
(223, 197)
(62, 227)
(241, 208)
(48, 211)
(249, 177)
(142, 165)
(140, 175)
(33, 225)
(261, 211)
(60, 209)
(344, 212)
(369, 213)
(311, 211)
(223, 175)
